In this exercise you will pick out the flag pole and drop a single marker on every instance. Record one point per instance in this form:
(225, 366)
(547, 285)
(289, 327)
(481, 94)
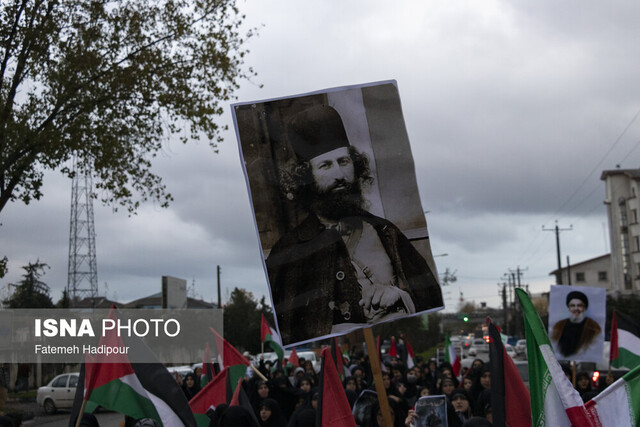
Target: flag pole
(81, 412)
(377, 376)
(258, 373)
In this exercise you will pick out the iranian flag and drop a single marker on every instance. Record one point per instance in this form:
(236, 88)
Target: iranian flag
(625, 342)
(619, 404)
(140, 390)
(554, 401)
(410, 354)
(451, 357)
(269, 336)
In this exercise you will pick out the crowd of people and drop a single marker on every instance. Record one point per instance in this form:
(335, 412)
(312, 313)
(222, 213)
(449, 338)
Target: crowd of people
(290, 395)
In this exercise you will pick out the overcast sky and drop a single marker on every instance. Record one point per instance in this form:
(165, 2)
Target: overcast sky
(513, 109)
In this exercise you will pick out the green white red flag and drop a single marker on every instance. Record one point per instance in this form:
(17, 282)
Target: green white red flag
(410, 354)
(619, 404)
(269, 336)
(451, 356)
(625, 342)
(554, 401)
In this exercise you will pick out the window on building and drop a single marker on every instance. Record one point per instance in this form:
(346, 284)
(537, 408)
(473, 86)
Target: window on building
(579, 277)
(624, 222)
(637, 240)
(634, 216)
(602, 276)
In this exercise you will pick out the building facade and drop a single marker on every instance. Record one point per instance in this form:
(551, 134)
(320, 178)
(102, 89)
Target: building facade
(595, 272)
(622, 187)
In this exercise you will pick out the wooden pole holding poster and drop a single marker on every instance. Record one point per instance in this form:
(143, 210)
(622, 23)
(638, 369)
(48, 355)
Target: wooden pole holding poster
(374, 361)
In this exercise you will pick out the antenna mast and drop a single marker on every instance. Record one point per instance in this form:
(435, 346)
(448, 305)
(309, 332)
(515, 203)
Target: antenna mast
(82, 279)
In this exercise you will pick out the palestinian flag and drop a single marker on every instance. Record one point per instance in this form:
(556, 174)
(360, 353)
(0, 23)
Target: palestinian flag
(554, 401)
(619, 404)
(229, 357)
(410, 354)
(337, 357)
(139, 390)
(333, 407)
(393, 351)
(509, 395)
(217, 392)
(293, 358)
(269, 336)
(451, 357)
(207, 367)
(625, 342)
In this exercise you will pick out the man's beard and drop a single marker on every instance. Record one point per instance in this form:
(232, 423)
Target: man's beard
(338, 204)
(577, 319)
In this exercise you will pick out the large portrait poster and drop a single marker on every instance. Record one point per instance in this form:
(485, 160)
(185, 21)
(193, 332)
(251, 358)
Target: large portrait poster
(335, 199)
(576, 322)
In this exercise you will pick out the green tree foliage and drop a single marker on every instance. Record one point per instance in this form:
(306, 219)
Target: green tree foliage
(242, 315)
(65, 301)
(31, 292)
(110, 81)
(625, 304)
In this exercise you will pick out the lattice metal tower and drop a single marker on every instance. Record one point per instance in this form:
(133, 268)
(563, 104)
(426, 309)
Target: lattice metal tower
(82, 279)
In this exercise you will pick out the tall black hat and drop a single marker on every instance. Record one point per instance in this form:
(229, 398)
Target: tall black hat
(316, 130)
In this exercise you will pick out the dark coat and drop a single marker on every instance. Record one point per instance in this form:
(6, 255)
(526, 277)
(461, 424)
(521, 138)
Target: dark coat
(314, 284)
(590, 331)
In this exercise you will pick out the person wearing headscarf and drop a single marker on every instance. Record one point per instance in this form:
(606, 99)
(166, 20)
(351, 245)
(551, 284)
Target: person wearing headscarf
(270, 414)
(461, 404)
(190, 385)
(237, 416)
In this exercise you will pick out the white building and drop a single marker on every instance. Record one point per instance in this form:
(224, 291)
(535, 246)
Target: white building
(622, 187)
(595, 272)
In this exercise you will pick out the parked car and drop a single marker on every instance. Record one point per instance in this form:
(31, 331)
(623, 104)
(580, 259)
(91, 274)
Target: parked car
(521, 347)
(511, 352)
(181, 370)
(310, 355)
(479, 345)
(59, 393)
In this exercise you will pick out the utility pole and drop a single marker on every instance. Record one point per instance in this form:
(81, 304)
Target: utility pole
(219, 294)
(557, 231)
(568, 271)
(503, 293)
(516, 275)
